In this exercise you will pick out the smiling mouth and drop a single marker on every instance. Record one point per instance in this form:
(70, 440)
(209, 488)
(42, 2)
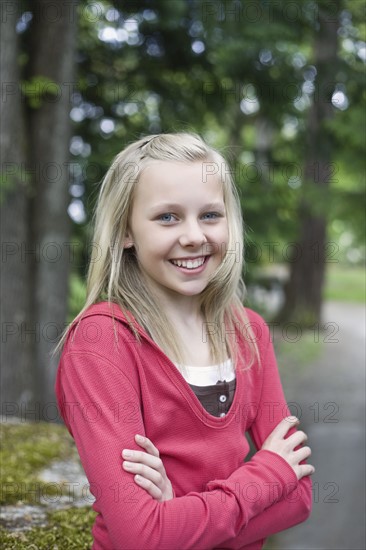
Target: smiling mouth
(190, 264)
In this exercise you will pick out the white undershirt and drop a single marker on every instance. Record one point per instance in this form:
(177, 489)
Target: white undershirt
(208, 376)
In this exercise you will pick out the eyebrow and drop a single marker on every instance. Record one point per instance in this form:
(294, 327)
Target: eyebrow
(167, 206)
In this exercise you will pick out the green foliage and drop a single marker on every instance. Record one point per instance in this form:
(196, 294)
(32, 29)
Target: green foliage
(236, 75)
(37, 89)
(77, 295)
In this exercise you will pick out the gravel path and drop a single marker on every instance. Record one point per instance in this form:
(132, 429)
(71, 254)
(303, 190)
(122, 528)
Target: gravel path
(331, 397)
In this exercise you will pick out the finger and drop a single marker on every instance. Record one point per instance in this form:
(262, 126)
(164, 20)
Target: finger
(297, 438)
(143, 458)
(147, 444)
(285, 425)
(144, 471)
(149, 487)
(305, 470)
(303, 453)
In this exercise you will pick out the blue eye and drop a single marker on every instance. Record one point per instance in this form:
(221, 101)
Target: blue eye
(166, 217)
(212, 215)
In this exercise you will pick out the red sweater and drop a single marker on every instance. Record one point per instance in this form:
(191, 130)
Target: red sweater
(110, 387)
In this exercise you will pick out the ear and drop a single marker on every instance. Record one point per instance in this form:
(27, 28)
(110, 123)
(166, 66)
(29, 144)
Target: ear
(128, 241)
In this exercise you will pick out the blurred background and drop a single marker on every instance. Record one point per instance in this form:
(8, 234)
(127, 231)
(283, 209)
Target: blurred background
(278, 88)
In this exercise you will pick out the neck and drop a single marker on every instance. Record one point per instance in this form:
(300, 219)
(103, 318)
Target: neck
(183, 312)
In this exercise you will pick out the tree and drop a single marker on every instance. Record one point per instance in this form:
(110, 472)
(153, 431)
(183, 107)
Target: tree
(15, 299)
(304, 289)
(241, 74)
(35, 134)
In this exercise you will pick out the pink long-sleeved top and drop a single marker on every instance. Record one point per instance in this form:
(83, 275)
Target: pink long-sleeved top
(110, 387)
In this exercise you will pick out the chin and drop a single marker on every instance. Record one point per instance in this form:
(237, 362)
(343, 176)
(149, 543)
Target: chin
(193, 292)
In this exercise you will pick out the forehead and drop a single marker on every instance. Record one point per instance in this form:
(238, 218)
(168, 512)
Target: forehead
(161, 179)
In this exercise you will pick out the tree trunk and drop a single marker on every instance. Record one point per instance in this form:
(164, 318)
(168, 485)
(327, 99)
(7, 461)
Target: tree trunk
(50, 132)
(17, 384)
(39, 282)
(304, 289)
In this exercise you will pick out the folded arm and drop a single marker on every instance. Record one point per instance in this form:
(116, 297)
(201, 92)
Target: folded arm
(102, 411)
(295, 504)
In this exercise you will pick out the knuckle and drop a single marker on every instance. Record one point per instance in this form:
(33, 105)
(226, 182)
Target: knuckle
(157, 463)
(287, 445)
(153, 450)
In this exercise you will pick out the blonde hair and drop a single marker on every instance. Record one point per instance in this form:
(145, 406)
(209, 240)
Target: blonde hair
(114, 273)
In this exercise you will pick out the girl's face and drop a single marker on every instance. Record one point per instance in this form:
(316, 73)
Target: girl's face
(178, 227)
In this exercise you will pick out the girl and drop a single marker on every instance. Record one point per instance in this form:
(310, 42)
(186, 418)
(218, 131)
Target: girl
(164, 370)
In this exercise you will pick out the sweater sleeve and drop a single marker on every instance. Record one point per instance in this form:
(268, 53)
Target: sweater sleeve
(102, 409)
(295, 503)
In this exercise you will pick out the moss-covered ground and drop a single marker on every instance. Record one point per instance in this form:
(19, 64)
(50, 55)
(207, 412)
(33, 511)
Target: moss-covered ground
(67, 529)
(26, 448)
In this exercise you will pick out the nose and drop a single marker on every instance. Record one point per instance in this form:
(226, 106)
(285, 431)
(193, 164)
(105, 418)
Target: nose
(192, 234)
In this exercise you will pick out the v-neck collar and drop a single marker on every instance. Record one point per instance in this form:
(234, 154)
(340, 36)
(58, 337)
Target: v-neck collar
(114, 311)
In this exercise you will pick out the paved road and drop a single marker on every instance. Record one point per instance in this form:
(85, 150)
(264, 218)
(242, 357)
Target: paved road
(331, 394)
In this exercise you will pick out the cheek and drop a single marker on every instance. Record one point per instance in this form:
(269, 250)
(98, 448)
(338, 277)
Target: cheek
(218, 241)
(222, 234)
(153, 245)
(224, 240)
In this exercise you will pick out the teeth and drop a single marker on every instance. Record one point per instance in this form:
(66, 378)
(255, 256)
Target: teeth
(189, 264)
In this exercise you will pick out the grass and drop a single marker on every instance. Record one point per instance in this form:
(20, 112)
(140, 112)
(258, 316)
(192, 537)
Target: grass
(297, 354)
(345, 283)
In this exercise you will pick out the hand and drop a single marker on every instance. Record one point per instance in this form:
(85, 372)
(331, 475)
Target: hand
(149, 470)
(277, 443)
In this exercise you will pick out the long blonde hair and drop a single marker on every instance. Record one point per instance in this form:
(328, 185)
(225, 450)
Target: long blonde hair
(114, 273)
